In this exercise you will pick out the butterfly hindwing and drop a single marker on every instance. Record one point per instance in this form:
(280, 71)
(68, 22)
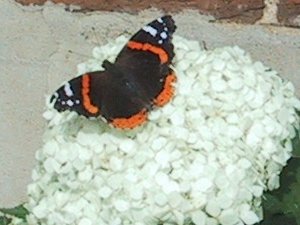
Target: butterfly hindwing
(124, 104)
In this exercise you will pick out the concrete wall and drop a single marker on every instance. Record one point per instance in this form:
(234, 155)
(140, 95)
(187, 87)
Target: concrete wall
(35, 58)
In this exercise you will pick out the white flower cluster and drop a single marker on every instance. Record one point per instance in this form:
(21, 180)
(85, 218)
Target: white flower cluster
(205, 158)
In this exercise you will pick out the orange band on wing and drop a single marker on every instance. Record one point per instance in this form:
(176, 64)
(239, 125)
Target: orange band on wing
(167, 92)
(85, 91)
(160, 52)
(132, 121)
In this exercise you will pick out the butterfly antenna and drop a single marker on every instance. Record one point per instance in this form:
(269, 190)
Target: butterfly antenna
(80, 54)
(96, 36)
(204, 45)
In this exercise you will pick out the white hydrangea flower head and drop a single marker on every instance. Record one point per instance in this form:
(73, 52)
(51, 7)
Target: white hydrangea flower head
(206, 157)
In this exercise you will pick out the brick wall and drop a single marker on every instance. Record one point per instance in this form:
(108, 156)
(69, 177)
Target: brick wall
(281, 12)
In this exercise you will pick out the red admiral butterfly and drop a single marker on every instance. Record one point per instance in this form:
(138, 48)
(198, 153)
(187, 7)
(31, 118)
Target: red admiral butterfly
(126, 90)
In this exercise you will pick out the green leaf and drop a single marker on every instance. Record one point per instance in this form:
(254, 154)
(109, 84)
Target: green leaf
(291, 201)
(277, 219)
(296, 145)
(282, 206)
(18, 211)
(4, 220)
(271, 203)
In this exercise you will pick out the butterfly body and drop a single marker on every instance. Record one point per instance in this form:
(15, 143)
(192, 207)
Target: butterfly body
(129, 88)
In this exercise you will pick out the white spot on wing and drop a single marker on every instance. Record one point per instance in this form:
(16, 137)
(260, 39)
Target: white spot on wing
(150, 30)
(163, 35)
(77, 101)
(70, 103)
(160, 42)
(68, 90)
(160, 20)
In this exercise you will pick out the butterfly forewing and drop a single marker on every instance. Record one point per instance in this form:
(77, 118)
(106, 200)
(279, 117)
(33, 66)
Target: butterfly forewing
(148, 54)
(82, 94)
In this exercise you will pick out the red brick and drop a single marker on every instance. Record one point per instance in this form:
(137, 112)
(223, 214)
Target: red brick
(288, 10)
(239, 10)
(294, 1)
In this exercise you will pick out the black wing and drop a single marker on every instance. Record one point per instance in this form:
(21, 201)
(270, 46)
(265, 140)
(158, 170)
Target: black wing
(82, 94)
(125, 91)
(148, 54)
